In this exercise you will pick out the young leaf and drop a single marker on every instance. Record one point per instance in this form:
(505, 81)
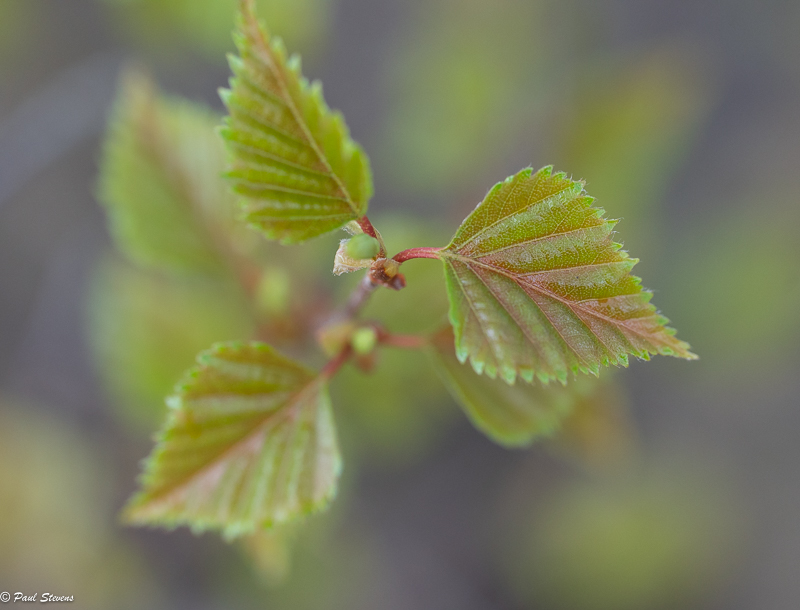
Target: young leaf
(511, 415)
(538, 288)
(159, 179)
(293, 160)
(250, 443)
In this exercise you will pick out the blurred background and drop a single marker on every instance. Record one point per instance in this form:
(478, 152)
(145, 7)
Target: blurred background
(682, 491)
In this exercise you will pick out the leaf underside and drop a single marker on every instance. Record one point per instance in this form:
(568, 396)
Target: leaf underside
(250, 443)
(511, 415)
(538, 288)
(293, 161)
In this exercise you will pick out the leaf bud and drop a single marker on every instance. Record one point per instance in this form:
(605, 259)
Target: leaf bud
(362, 246)
(364, 340)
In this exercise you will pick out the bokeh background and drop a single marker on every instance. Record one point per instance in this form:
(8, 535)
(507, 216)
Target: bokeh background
(684, 493)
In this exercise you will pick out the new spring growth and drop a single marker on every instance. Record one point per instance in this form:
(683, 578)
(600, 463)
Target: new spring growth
(362, 246)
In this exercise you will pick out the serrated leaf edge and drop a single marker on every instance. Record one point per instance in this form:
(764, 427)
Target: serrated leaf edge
(510, 374)
(131, 513)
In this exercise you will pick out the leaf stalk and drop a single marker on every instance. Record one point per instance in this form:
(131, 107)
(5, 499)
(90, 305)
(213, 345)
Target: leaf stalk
(370, 230)
(333, 366)
(402, 341)
(406, 255)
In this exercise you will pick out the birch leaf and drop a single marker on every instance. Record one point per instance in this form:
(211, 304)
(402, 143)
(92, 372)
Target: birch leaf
(538, 288)
(250, 443)
(159, 179)
(293, 161)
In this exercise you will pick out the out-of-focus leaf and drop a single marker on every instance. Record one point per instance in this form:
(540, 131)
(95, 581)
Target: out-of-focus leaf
(300, 173)
(160, 180)
(512, 415)
(250, 443)
(740, 302)
(598, 433)
(57, 495)
(206, 24)
(630, 127)
(394, 414)
(463, 85)
(147, 328)
(664, 542)
(538, 287)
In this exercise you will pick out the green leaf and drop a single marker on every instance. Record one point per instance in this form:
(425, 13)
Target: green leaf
(160, 179)
(538, 288)
(250, 443)
(512, 415)
(292, 158)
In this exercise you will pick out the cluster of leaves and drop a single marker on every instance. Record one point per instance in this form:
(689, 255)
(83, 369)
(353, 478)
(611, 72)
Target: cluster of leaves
(537, 291)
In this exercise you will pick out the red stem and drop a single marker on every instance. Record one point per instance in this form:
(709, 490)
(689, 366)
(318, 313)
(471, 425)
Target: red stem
(404, 341)
(359, 297)
(367, 227)
(333, 366)
(405, 255)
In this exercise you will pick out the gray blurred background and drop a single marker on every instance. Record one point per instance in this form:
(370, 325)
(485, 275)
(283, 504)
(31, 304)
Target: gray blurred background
(683, 119)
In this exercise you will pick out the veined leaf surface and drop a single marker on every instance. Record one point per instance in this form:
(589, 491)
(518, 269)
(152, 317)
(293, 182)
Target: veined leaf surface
(250, 443)
(511, 415)
(300, 173)
(538, 288)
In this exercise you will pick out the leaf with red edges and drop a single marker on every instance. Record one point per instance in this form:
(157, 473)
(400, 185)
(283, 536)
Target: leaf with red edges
(538, 287)
(249, 443)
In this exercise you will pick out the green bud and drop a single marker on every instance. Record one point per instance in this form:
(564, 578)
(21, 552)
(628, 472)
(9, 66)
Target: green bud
(362, 246)
(364, 340)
